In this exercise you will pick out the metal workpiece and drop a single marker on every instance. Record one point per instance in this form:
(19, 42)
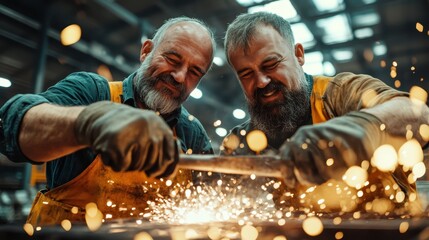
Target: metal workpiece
(261, 165)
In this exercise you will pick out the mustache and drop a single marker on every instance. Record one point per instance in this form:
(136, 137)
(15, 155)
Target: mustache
(260, 92)
(167, 78)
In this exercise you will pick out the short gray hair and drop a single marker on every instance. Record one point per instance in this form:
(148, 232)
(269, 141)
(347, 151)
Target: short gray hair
(242, 29)
(160, 32)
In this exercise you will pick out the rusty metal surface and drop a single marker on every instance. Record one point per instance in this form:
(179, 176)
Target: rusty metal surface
(351, 229)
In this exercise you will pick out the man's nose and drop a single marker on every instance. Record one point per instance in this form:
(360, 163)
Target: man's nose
(179, 74)
(262, 80)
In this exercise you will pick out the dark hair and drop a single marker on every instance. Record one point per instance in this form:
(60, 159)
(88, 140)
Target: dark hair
(242, 29)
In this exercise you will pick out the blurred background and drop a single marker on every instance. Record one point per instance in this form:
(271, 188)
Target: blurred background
(43, 41)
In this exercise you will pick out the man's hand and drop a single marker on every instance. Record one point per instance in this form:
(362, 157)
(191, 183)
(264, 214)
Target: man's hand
(128, 138)
(343, 141)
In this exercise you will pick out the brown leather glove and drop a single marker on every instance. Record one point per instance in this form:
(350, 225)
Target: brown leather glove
(348, 140)
(128, 138)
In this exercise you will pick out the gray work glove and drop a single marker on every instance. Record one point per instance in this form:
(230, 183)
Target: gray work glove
(128, 138)
(348, 140)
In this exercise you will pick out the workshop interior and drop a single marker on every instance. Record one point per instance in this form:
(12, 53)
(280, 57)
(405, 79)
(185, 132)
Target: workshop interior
(388, 39)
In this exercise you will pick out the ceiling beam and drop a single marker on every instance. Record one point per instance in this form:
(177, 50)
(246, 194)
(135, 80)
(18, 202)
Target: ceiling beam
(81, 46)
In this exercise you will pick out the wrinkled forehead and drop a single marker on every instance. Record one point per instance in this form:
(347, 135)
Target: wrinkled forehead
(189, 39)
(188, 29)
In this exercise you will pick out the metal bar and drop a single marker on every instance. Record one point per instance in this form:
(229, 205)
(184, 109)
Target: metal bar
(264, 166)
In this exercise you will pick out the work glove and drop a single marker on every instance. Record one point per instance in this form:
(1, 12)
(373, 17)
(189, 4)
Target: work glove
(128, 138)
(348, 140)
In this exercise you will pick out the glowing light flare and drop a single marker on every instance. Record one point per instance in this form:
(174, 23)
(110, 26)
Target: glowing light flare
(93, 217)
(214, 233)
(424, 131)
(70, 34)
(231, 142)
(217, 123)
(257, 140)
(249, 233)
(142, 236)
(66, 224)
(355, 177)
(313, 226)
(419, 170)
(403, 227)
(5, 82)
(418, 95)
(410, 153)
(91, 209)
(382, 205)
(397, 83)
(75, 210)
(239, 114)
(279, 238)
(339, 235)
(385, 158)
(400, 196)
(28, 228)
(419, 27)
(191, 118)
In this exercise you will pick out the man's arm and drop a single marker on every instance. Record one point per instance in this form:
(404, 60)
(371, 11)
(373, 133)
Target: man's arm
(400, 115)
(47, 133)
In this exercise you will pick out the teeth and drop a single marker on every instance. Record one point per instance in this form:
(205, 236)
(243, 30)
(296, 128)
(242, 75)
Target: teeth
(269, 93)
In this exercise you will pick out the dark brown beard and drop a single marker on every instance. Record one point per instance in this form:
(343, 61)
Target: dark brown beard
(279, 120)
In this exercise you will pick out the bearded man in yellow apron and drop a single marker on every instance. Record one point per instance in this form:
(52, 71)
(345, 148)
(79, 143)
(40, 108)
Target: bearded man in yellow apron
(321, 126)
(109, 153)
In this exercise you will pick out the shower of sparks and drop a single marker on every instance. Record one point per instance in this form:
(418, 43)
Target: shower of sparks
(229, 199)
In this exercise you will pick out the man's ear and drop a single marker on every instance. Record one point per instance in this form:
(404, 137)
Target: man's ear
(299, 53)
(147, 47)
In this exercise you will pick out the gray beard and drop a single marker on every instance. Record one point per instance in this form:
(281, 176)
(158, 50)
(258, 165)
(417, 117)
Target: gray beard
(160, 101)
(280, 120)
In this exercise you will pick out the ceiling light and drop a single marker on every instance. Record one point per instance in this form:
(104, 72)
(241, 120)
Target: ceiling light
(313, 63)
(337, 29)
(282, 8)
(328, 5)
(364, 33)
(314, 68)
(221, 131)
(379, 49)
(303, 35)
(328, 68)
(369, 1)
(367, 18)
(313, 57)
(196, 93)
(342, 55)
(4, 82)
(239, 114)
(71, 34)
(218, 61)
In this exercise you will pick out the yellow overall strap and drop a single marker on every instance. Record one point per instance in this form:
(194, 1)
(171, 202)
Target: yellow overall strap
(116, 91)
(319, 87)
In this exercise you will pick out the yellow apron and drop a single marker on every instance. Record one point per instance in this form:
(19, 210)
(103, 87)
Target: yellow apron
(119, 194)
